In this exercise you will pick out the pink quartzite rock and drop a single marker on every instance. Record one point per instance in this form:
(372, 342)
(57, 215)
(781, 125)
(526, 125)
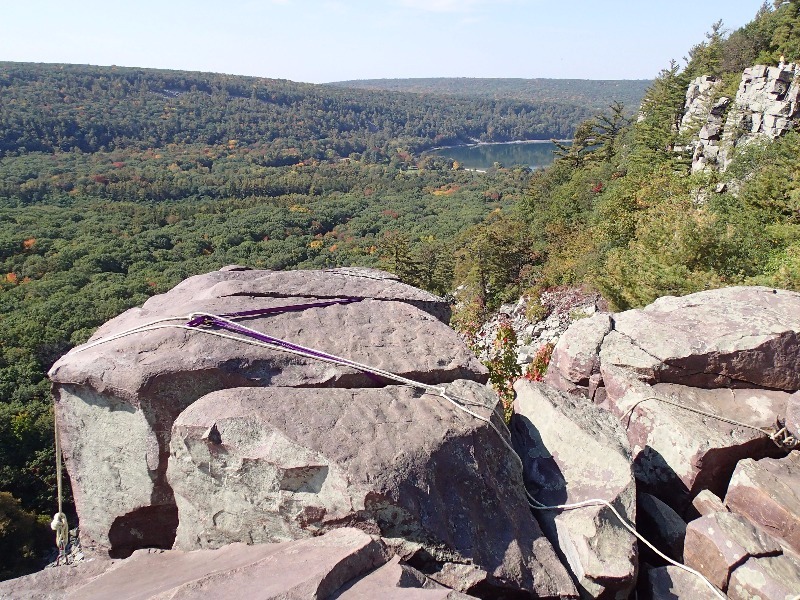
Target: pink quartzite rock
(575, 357)
(115, 403)
(673, 583)
(770, 578)
(678, 453)
(768, 493)
(574, 451)
(707, 502)
(397, 581)
(731, 337)
(718, 543)
(439, 486)
(300, 570)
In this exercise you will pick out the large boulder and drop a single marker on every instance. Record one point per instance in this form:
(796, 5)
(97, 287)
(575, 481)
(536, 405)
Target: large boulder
(733, 337)
(573, 451)
(116, 402)
(440, 486)
(678, 452)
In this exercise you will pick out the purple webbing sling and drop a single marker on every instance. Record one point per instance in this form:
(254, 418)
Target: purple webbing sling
(217, 321)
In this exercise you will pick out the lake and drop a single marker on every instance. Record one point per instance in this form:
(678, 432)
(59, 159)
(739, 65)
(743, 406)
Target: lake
(536, 154)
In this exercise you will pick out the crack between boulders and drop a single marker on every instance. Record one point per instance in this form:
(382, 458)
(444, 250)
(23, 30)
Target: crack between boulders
(747, 557)
(634, 344)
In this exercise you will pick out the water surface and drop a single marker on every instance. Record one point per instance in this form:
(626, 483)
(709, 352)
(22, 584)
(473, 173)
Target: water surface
(537, 155)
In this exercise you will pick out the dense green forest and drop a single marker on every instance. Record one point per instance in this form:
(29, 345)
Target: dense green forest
(115, 184)
(61, 108)
(594, 94)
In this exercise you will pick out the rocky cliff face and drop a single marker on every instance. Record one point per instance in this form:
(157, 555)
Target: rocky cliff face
(765, 107)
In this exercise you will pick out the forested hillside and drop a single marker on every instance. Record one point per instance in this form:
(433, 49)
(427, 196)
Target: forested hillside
(117, 183)
(621, 211)
(594, 94)
(51, 108)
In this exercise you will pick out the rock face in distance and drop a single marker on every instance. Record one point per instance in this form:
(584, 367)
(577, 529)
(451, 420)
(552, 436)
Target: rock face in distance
(115, 403)
(321, 567)
(573, 451)
(766, 105)
(438, 485)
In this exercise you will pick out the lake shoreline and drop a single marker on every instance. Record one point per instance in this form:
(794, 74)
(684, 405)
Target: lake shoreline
(477, 144)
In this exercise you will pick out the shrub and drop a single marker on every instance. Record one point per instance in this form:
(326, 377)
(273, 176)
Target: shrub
(23, 538)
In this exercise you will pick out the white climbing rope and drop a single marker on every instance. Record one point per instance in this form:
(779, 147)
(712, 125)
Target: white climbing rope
(458, 402)
(781, 438)
(59, 523)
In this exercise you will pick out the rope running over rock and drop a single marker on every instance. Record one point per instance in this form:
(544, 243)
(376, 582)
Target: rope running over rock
(781, 438)
(59, 523)
(201, 321)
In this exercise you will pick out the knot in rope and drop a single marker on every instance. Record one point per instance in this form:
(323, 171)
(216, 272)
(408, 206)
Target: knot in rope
(61, 527)
(783, 439)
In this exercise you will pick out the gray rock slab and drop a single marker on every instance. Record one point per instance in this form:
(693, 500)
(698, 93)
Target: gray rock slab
(574, 451)
(439, 486)
(767, 492)
(731, 337)
(116, 402)
(718, 543)
(673, 583)
(304, 569)
(769, 578)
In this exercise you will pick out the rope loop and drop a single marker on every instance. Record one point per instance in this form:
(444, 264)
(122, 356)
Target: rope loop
(785, 440)
(61, 527)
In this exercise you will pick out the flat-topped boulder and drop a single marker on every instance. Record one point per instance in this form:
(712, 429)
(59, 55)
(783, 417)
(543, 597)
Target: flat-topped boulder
(745, 337)
(439, 486)
(116, 401)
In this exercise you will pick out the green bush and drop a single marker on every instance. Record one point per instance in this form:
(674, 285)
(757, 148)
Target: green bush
(23, 538)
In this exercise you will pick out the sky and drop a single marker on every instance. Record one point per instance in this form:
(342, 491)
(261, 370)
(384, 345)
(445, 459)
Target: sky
(321, 41)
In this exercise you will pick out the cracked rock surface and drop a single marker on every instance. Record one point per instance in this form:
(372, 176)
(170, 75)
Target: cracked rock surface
(439, 486)
(116, 402)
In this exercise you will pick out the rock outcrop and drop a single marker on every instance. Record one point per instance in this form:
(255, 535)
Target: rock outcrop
(732, 352)
(116, 402)
(439, 486)
(573, 452)
(765, 107)
(338, 564)
(701, 384)
(174, 429)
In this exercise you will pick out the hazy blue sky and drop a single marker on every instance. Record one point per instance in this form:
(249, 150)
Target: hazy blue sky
(331, 40)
